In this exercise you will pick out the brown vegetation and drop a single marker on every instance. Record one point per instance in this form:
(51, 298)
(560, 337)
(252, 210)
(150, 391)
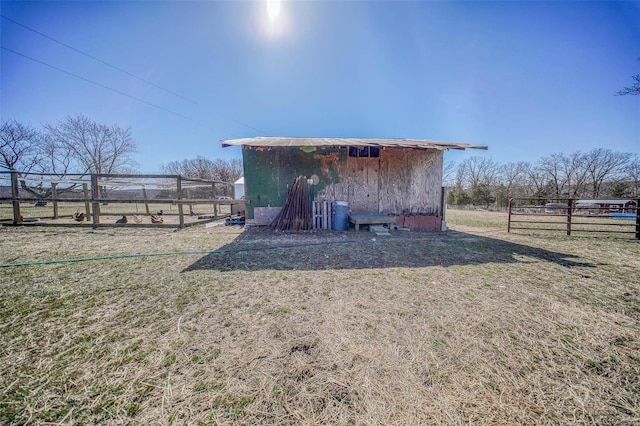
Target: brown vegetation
(469, 326)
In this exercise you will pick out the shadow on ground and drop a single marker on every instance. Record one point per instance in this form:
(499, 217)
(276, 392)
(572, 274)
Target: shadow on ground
(259, 249)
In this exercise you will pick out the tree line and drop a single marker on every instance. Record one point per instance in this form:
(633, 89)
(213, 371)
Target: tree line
(599, 173)
(203, 168)
(79, 145)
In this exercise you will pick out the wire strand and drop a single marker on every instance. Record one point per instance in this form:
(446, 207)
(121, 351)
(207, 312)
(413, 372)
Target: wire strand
(97, 84)
(98, 59)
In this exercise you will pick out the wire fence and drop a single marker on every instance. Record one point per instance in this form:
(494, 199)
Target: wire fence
(112, 199)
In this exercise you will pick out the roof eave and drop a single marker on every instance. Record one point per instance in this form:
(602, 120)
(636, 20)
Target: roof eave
(263, 141)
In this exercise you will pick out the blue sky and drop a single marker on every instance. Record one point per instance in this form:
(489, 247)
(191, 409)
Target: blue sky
(526, 78)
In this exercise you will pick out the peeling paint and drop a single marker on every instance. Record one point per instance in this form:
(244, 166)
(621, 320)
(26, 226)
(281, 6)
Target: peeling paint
(400, 180)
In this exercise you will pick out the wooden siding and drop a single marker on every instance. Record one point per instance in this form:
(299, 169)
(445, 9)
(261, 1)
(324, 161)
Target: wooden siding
(400, 180)
(410, 180)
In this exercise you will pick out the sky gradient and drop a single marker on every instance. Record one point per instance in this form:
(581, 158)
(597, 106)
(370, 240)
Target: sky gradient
(527, 79)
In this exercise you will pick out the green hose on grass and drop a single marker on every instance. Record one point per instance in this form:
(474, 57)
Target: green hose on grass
(172, 253)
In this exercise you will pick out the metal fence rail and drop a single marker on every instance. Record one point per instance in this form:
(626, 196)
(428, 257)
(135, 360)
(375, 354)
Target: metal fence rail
(563, 214)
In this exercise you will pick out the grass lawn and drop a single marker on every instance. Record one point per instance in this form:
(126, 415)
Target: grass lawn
(470, 326)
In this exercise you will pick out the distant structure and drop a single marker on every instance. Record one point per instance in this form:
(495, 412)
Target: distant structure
(608, 206)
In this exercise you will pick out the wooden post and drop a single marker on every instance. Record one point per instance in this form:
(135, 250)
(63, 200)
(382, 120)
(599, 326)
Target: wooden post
(85, 191)
(54, 195)
(509, 216)
(442, 202)
(638, 219)
(325, 215)
(314, 215)
(213, 196)
(146, 202)
(180, 212)
(95, 196)
(569, 213)
(14, 197)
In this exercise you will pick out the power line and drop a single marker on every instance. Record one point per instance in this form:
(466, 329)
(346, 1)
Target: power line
(246, 125)
(120, 92)
(97, 59)
(97, 84)
(116, 68)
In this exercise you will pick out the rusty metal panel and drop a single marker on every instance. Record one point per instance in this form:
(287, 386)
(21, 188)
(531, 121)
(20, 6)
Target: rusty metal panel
(269, 172)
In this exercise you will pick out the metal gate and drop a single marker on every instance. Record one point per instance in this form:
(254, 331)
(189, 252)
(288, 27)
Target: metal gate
(611, 216)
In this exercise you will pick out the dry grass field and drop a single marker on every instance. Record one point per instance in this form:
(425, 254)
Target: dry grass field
(470, 326)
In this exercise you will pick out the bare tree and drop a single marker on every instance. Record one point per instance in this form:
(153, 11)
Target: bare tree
(634, 89)
(513, 177)
(604, 165)
(510, 182)
(448, 173)
(57, 158)
(479, 175)
(632, 175)
(19, 146)
(203, 168)
(228, 170)
(24, 150)
(564, 174)
(85, 146)
(476, 171)
(536, 181)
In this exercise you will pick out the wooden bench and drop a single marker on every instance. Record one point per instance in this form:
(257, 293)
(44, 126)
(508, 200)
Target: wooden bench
(371, 219)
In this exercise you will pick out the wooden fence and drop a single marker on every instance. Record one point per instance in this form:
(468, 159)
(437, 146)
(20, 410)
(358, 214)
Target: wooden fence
(91, 192)
(566, 215)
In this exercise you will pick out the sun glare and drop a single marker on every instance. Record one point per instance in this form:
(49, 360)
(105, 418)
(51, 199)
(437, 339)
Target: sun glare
(273, 9)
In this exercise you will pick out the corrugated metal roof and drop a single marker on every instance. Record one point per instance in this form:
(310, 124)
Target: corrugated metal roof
(395, 143)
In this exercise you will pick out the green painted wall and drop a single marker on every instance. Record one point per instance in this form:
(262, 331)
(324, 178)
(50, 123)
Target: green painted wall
(268, 172)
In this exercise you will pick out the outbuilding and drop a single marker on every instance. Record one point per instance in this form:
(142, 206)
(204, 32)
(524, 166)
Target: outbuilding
(607, 206)
(391, 177)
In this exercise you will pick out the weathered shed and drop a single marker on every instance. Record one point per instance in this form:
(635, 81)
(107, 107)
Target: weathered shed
(387, 176)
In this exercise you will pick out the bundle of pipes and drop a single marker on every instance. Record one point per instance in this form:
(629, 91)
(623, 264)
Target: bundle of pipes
(296, 212)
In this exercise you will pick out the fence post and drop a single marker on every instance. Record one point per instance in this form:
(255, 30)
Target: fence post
(95, 196)
(509, 216)
(15, 199)
(54, 196)
(569, 213)
(213, 196)
(146, 201)
(180, 212)
(85, 191)
(638, 219)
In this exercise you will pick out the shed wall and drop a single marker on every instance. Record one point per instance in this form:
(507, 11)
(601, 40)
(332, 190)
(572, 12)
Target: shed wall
(410, 180)
(269, 172)
(400, 180)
